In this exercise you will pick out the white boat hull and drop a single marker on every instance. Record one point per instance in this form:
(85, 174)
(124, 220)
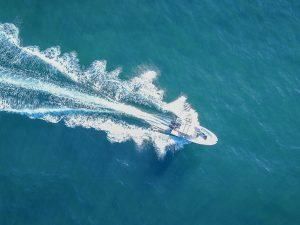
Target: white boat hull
(209, 138)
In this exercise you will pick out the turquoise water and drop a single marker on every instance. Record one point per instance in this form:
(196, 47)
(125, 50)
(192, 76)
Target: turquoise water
(236, 61)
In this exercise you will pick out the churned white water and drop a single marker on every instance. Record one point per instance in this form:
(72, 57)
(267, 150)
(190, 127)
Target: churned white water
(52, 86)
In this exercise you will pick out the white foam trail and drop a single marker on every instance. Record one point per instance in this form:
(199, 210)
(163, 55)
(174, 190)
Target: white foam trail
(31, 84)
(48, 111)
(61, 64)
(78, 97)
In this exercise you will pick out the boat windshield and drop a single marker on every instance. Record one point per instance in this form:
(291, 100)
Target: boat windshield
(201, 134)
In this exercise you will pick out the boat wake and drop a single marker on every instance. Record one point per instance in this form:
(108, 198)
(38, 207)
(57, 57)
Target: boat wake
(54, 87)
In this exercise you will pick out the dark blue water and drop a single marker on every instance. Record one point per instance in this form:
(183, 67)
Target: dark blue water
(238, 64)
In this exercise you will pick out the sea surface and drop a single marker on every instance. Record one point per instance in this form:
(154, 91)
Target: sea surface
(84, 83)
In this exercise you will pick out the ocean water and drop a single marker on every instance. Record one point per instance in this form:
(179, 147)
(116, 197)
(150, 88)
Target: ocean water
(83, 83)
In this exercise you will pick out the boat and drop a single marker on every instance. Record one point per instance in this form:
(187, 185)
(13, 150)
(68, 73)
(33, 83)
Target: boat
(198, 135)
